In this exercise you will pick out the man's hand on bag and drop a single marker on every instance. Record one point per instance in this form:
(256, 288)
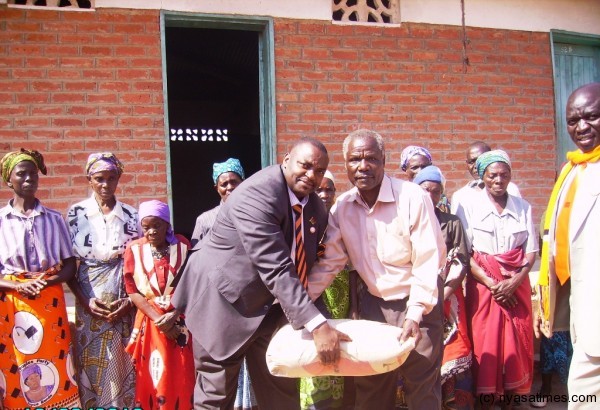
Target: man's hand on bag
(327, 341)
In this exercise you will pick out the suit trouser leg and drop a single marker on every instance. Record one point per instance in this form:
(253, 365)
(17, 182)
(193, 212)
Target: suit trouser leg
(421, 371)
(271, 392)
(216, 380)
(422, 384)
(584, 379)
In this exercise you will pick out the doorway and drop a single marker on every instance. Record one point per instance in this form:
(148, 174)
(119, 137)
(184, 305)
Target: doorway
(216, 107)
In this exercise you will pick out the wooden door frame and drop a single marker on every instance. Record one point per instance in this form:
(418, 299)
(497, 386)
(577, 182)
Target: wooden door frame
(266, 66)
(560, 36)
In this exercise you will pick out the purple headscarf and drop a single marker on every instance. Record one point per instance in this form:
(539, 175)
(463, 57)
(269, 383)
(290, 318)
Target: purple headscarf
(103, 161)
(411, 151)
(29, 370)
(160, 210)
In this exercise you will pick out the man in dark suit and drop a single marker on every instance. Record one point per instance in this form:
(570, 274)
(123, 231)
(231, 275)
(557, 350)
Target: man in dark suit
(243, 283)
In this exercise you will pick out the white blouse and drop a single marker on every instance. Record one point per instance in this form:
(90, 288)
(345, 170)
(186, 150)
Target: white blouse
(493, 233)
(98, 236)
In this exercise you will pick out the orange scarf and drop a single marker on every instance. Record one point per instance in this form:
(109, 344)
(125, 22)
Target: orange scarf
(574, 158)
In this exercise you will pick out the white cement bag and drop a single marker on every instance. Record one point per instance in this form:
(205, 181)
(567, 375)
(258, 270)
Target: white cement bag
(374, 349)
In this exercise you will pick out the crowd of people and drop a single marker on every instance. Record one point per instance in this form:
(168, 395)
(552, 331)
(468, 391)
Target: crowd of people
(169, 322)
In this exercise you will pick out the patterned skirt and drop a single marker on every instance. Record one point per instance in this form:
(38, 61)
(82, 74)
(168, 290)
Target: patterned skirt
(36, 366)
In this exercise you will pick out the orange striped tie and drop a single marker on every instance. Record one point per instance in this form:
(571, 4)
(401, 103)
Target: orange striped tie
(561, 261)
(300, 261)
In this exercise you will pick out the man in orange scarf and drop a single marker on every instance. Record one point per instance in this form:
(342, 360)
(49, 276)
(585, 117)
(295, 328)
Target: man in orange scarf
(570, 265)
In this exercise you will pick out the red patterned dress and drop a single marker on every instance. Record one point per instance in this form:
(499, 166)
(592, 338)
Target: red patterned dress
(165, 368)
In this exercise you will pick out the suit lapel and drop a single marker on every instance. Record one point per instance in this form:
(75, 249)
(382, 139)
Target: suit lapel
(310, 232)
(287, 226)
(585, 199)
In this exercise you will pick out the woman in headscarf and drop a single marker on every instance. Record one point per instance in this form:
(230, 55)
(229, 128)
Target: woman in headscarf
(160, 345)
(412, 160)
(32, 378)
(501, 232)
(101, 227)
(226, 177)
(456, 362)
(36, 257)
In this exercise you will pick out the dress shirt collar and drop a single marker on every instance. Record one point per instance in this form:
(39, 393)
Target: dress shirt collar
(476, 183)
(39, 209)
(93, 208)
(487, 207)
(294, 199)
(386, 193)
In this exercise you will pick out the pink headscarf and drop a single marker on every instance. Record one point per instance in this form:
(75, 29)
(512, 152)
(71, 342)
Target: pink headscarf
(160, 210)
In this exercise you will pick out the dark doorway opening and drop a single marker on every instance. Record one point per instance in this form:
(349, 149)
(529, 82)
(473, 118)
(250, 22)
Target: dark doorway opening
(213, 112)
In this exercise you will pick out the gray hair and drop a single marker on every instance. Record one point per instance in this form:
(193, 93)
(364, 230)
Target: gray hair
(363, 134)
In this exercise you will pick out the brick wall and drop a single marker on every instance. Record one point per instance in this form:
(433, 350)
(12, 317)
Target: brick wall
(76, 82)
(408, 83)
(72, 83)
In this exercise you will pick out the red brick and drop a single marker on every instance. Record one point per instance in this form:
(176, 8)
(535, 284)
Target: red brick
(129, 28)
(46, 86)
(15, 86)
(20, 26)
(143, 16)
(67, 122)
(135, 98)
(66, 39)
(145, 62)
(112, 133)
(118, 86)
(28, 73)
(110, 16)
(148, 178)
(45, 133)
(129, 51)
(76, 62)
(135, 122)
(100, 122)
(80, 86)
(13, 110)
(144, 40)
(157, 132)
(132, 74)
(98, 74)
(68, 98)
(102, 145)
(109, 39)
(147, 86)
(148, 110)
(102, 98)
(32, 98)
(66, 145)
(64, 74)
(60, 27)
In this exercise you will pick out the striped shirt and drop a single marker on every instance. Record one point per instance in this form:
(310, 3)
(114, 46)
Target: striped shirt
(32, 243)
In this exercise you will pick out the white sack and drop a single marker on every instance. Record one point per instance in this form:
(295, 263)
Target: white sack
(374, 349)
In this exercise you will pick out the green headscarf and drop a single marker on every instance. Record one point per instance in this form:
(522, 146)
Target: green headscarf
(10, 161)
(488, 158)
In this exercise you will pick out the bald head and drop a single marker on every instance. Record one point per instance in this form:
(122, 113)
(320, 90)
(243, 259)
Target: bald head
(473, 152)
(583, 117)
